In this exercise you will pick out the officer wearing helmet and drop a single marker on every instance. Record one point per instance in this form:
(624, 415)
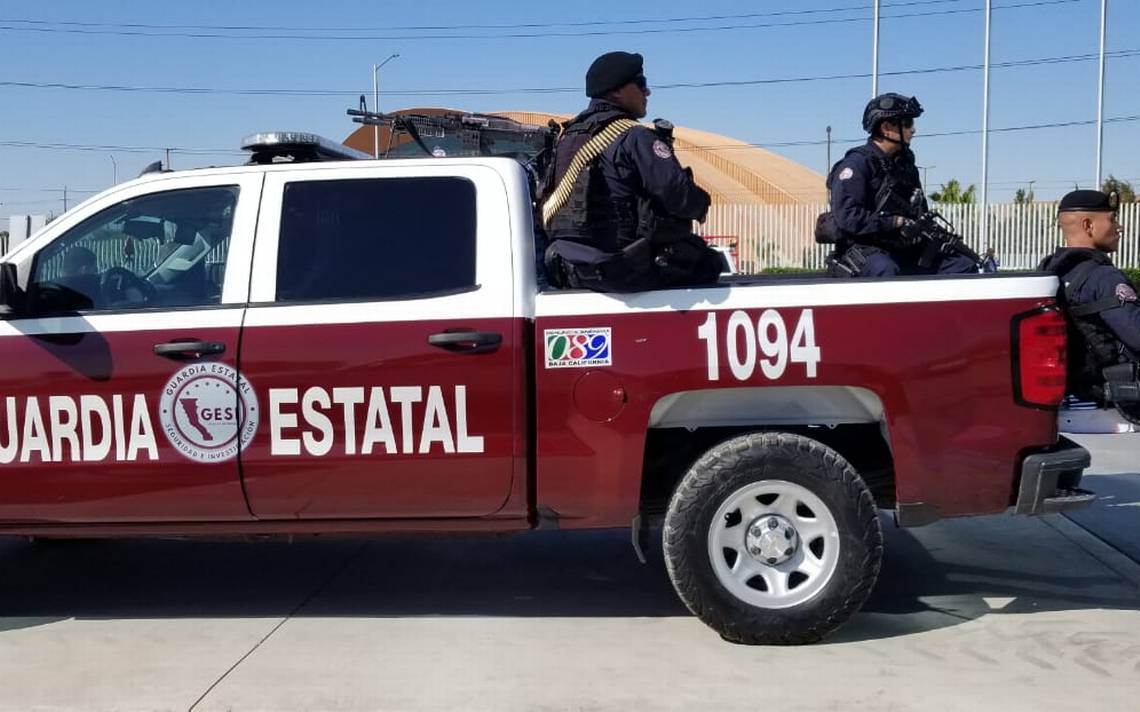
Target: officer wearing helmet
(1099, 301)
(873, 238)
(617, 206)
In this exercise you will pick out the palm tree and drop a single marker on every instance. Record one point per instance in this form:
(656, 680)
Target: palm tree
(1121, 187)
(952, 193)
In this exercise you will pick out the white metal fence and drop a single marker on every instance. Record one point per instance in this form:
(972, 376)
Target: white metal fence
(774, 236)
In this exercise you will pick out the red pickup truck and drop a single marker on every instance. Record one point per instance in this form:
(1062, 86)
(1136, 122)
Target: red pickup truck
(355, 347)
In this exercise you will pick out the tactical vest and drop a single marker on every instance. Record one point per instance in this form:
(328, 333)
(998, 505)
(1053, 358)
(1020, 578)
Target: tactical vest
(893, 178)
(591, 216)
(616, 244)
(1092, 346)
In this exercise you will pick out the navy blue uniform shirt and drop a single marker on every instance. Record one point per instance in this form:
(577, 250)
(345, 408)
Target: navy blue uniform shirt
(855, 181)
(1108, 281)
(641, 164)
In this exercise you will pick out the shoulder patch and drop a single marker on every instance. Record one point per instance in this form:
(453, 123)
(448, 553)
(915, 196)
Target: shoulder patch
(1125, 293)
(846, 173)
(661, 149)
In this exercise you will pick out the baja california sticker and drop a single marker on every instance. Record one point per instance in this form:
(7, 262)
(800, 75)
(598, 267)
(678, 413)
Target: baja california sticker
(846, 174)
(662, 149)
(1125, 293)
(208, 412)
(578, 348)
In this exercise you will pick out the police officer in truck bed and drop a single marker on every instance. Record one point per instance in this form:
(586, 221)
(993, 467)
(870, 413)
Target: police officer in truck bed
(618, 206)
(873, 238)
(1098, 298)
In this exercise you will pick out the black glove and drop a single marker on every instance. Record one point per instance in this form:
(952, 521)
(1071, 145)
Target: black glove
(910, 232)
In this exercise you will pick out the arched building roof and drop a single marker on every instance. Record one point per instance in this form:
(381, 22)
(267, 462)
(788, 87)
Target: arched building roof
(732, 171)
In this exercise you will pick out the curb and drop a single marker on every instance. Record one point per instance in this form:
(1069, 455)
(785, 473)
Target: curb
(1108, 555)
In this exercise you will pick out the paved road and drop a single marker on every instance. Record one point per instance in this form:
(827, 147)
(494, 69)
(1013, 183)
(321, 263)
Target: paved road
(995, 613)
(1115, 476)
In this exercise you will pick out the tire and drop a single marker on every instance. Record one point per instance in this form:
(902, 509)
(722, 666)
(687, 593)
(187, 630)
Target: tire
(772, 538)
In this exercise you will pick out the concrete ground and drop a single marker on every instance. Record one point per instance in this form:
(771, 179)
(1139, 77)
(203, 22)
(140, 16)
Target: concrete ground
(998, 613)
(1115, 477)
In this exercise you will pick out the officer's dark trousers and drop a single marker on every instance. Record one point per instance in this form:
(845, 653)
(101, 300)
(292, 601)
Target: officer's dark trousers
(884, 264)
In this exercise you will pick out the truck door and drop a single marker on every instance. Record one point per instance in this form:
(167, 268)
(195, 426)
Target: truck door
(384, 341)
(120, 400)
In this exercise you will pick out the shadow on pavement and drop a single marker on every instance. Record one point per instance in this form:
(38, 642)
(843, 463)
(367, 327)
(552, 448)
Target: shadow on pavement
(1115, 515)
(958, 571)
(932, 578)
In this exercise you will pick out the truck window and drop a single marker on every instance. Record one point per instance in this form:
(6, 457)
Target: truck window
(374, 239)
(159, 250)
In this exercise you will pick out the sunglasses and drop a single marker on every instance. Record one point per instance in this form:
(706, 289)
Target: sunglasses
(641, 82)
(907, 123)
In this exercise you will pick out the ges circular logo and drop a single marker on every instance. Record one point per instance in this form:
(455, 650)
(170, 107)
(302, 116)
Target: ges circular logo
(208, 412)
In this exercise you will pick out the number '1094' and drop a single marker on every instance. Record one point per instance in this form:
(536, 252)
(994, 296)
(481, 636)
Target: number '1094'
(742, 337)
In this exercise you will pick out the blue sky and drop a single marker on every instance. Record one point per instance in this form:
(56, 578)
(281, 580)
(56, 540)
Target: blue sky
(818, 38)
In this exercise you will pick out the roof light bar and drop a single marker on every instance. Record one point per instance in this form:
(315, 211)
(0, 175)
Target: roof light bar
(296, 146)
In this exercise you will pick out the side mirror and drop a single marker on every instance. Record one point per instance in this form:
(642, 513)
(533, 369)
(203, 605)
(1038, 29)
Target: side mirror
(11, 298)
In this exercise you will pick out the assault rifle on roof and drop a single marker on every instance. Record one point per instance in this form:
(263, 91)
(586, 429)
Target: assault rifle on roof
(458, 133)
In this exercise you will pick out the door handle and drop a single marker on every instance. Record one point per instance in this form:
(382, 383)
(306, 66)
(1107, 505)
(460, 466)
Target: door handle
(466, 341)
(189, 350)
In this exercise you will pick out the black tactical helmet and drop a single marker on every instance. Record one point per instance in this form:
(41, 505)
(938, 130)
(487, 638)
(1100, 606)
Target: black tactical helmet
(889, 106)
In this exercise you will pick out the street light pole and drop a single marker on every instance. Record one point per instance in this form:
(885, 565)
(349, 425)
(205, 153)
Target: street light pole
(1100, 96)
(115, 174)
(828, 151)
(925, 185)
(376, 103)
(875, 52)
(983, 217)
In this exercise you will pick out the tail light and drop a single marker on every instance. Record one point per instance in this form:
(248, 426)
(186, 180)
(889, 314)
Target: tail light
(1039, 358)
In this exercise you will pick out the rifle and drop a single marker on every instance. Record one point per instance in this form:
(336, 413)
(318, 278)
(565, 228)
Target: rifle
(928, 226)
(460, 133)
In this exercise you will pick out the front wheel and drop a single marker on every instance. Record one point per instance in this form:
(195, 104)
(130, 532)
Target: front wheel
(772, 538)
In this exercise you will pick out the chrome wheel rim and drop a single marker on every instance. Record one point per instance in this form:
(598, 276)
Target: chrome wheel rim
(773, 544)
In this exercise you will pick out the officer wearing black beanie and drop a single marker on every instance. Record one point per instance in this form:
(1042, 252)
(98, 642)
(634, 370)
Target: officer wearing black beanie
(620, 218)
(1099, 299)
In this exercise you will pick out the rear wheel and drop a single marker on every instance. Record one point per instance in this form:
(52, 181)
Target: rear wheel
(772, 538)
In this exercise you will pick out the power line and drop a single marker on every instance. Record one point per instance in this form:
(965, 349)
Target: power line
(39, 202)
(440, 28)
(48, 190)
(125, 149)
(1117, 54)
(937, 134)
(902, 72)
(1050, 182)
(510, 35)
(777, 144)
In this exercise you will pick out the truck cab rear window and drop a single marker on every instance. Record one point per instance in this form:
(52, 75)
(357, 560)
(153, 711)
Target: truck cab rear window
(385, 238)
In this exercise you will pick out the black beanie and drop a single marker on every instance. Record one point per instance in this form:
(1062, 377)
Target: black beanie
(610, 71)
(1089, 201)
